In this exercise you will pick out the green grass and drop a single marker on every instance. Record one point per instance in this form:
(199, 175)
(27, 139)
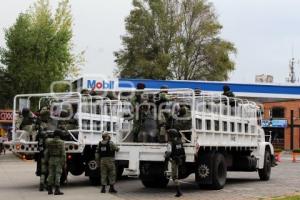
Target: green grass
(297, 197)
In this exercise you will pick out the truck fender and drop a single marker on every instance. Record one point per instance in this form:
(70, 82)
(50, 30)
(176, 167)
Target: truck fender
(260, 153)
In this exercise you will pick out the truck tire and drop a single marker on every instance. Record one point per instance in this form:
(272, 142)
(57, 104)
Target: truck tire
(219, 172)
(152, 175)
(265, 172)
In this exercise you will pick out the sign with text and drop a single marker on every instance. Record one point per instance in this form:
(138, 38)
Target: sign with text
(275, 123)
(6, 116)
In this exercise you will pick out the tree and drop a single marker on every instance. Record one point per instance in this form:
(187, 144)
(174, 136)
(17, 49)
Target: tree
(174, 39)
(38, 50)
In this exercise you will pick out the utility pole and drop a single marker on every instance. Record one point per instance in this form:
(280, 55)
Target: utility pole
(292, 129)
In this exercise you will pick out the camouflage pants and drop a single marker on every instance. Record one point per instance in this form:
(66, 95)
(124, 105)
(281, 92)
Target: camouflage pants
(55, 166)
(108, 171)
(174, 167)
(136, 130)
(43, 171)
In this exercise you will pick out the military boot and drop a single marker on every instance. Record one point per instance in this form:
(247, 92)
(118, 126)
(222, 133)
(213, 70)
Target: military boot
(41, 188)
(57, 191)
(50, 191)
(103, 189)
(112, 189)
(178, 192)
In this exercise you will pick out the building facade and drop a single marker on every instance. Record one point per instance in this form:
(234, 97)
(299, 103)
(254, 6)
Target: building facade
(282, 122)
(6, 119)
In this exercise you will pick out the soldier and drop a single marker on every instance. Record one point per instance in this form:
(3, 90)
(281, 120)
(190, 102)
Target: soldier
(56, 157)
(106, 152)
(63, 125)
(42, 169)
(176, 153)
(138, 112)
(182, 119)
(26, 124)
(227, 92)
(197, 92)
(163, 116)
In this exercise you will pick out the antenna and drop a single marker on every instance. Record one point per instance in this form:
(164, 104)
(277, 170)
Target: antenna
(292, 76)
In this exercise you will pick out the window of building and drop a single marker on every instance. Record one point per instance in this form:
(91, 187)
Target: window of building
(217, 126)
(208, 124)
(198, 124)
(224, 126)
(277, 112)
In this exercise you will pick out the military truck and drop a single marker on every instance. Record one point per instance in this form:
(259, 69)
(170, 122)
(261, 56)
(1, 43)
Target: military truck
(220, 134)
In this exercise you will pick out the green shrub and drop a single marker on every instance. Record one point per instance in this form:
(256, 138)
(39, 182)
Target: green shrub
(278, 150)
(296, 150)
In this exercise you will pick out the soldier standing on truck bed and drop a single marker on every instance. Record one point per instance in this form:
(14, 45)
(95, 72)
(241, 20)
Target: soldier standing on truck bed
(56, 157)
(138, 112)
(26, 124)
(176, 153)
(106, 152)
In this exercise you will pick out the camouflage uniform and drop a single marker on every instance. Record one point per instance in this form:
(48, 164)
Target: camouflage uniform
(56, 157)
(163, 117)
(138, 115)
(230, 95)
(41, 138)
(106, 151)
(176, 153)
(27, 124)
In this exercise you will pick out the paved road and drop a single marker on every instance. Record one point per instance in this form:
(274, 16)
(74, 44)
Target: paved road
(17, 181)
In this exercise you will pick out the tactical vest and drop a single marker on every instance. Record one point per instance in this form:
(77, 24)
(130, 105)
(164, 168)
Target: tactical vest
(177, 150)
(55, 147)
(42, 136)
(26, 121)
(105, 150)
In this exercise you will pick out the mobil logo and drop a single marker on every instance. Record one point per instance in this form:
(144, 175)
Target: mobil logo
(103, 84)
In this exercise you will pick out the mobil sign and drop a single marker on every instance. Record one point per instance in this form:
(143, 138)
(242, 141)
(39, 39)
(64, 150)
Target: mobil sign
(6, 116)
(103, 84)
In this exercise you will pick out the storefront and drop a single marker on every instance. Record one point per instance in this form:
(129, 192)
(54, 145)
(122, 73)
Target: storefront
(275, 128)
(282, 122)
(6, 119)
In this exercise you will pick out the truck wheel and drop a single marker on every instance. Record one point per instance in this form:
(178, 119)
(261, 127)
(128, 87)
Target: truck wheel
(152, 175)
(265, 172)
(219, 173)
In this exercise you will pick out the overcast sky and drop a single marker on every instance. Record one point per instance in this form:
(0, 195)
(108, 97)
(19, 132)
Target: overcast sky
(264, 33)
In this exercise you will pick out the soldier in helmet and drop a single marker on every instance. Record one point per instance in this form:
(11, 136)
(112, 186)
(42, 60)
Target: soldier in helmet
(106, 153)
(197, 91)
(227, 92)
(42, 136)
(27, 124)
(176, 154)
(56, 157)
(138, 111)
(64, 125)
(163, 116)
